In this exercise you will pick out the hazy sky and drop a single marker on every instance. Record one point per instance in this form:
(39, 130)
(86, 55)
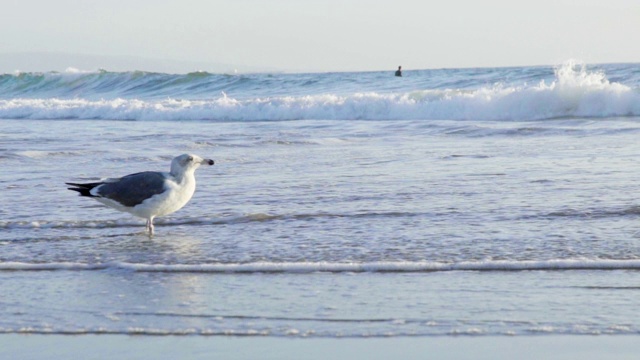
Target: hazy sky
(330, 35)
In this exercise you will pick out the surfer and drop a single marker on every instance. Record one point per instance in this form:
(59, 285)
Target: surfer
(399, 71)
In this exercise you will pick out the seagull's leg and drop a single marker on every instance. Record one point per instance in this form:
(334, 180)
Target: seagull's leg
(149, 226)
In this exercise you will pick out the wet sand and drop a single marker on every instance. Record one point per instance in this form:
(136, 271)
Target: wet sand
(23, 347)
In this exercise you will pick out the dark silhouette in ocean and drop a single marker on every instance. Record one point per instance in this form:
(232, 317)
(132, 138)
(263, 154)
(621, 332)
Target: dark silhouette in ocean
(399, 71)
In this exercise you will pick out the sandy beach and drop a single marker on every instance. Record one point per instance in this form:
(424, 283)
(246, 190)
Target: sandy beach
(28, 347)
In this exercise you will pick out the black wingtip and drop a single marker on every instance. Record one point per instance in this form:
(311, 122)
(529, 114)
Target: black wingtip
(83, 186)
(83, 192)
(83, 189)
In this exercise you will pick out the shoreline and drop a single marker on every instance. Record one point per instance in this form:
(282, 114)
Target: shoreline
(583, 347)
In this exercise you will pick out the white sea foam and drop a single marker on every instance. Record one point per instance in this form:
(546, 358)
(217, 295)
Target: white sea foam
(72, 70)
(332, 267)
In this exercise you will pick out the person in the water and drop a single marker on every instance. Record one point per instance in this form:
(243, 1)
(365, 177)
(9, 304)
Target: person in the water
(399, 71)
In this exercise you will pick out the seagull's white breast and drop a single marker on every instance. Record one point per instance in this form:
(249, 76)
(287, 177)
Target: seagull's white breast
(176, 196)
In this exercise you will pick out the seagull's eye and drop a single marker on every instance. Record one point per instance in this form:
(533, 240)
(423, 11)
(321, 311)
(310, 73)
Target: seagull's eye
(190, 158)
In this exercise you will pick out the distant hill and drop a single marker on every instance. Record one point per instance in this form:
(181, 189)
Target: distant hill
(49, 61)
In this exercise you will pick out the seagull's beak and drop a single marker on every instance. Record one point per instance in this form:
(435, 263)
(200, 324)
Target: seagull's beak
(207, 162)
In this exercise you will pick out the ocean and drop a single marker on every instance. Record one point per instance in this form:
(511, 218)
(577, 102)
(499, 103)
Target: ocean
(447, 202)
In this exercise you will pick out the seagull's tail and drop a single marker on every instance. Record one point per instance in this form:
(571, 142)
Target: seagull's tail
(83, 189)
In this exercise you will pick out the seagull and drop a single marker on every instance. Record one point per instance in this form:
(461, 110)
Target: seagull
(148, 194)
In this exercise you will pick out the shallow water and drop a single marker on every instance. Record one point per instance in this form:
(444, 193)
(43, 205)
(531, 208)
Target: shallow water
(327, 228)
(322, 304)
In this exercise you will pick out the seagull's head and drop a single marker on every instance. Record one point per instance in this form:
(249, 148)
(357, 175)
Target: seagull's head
(188, 162)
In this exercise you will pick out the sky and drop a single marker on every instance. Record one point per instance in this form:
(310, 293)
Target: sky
(314, 35)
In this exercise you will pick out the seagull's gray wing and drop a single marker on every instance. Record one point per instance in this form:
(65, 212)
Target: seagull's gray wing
(133, 189)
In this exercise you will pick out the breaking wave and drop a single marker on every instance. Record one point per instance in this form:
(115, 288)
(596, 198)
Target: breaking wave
(573, 91)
